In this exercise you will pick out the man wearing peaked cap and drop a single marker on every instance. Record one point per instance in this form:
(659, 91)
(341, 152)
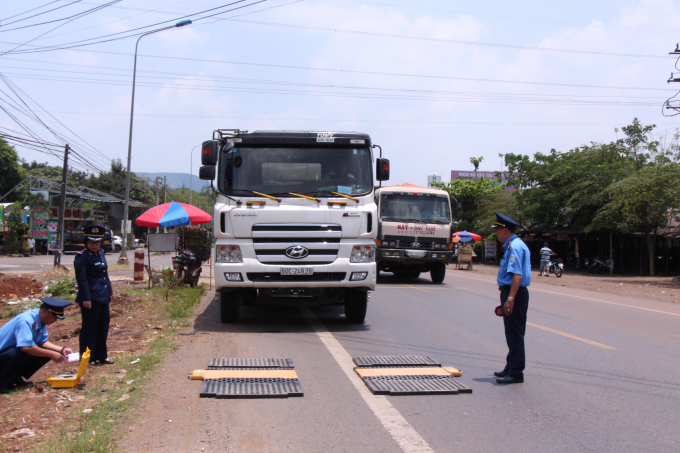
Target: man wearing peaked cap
(24, 348)
(514, 276)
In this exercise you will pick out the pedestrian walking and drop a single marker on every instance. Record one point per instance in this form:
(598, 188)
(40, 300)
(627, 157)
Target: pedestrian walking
(24, 348)
(546, 253)
(31, 245)
(94, 295)
(514, 277)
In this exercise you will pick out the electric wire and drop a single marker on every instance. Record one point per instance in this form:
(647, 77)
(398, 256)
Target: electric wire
(41, 23)
(363, 72)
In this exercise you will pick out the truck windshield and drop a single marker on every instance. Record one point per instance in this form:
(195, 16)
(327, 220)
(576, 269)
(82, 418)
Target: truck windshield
(414, 208)
(278, 171)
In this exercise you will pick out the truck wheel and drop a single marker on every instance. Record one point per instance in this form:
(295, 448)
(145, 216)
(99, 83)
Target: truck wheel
(356, 303)
(116, 249)
(229, 308)
(437, 272)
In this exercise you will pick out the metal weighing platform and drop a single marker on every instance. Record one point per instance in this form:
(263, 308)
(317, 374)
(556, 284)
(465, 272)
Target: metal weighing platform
(248, 378)
(408, 375)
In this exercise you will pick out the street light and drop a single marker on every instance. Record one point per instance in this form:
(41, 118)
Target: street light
(191, 170)
(123, 250)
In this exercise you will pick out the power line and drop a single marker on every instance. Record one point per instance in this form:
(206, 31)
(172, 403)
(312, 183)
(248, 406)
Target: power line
(33, 9)
(362, 72)
(35, 15)
(414, 95)
(209, 78)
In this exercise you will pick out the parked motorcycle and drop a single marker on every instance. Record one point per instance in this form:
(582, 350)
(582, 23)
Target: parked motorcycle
(556, 267)
(188, 267)
(599, 265)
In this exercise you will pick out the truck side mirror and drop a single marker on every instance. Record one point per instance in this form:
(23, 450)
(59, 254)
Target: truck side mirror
(207, 172)
(459, 207)
(209, 152)
(382, 171)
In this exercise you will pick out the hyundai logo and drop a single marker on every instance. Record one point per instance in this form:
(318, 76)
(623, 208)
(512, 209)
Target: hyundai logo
(415, 244)
(297, 252)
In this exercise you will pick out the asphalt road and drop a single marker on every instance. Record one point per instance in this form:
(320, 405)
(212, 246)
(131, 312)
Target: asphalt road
(603, 374)
(36, 264)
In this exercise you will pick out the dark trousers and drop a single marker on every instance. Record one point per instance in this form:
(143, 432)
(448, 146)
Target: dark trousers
(14, 364)
(95, 330)
(515, 327)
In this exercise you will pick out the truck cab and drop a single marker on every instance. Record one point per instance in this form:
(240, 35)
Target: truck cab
(295, 218)
(414, 231)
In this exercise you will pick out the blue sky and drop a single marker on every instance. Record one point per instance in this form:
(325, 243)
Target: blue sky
(429, 80)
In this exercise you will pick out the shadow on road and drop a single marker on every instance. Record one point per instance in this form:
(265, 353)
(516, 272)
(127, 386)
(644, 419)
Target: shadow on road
(263, 319)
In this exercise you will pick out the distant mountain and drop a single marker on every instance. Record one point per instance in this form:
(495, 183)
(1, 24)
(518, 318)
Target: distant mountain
(175, 180)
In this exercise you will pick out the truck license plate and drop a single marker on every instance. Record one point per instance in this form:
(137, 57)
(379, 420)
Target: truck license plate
(297, 271)
(416, 253)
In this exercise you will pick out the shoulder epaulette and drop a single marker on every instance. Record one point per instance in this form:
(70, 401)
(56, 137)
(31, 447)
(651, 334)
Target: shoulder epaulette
(82, 251)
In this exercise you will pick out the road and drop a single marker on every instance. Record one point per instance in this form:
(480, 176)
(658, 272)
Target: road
(36, 264)
(603, 374)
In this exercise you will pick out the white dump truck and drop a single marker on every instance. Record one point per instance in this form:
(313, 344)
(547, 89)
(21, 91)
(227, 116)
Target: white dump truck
(295, 218)
(414, 231)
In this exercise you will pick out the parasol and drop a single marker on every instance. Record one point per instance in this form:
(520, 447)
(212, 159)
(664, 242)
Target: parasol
(173, 214)
(464, 236)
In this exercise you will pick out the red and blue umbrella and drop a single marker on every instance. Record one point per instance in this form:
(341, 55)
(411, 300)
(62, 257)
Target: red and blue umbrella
(173, 214)
(464, 236)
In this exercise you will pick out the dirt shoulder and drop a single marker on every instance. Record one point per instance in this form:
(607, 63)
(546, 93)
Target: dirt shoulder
(662, 289)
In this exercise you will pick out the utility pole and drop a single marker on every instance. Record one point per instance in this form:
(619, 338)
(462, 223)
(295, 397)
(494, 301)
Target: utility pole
(165, 195)
(62, 207)
(158, 180)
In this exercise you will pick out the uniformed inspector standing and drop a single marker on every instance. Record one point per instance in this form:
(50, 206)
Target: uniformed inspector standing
(514, 276)
(24, 348)
(94, 295)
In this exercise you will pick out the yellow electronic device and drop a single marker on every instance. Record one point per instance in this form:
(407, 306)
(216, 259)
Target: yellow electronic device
(64, 381)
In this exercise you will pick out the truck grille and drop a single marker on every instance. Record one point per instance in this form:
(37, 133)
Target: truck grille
(271, 241)
(406, 242)
(275, 277)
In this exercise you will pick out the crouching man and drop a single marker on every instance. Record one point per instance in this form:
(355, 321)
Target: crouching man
(24, 348)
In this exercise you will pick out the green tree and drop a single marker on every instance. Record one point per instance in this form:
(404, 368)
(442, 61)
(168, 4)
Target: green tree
(470, 192)
(476, 161)
(12, 172)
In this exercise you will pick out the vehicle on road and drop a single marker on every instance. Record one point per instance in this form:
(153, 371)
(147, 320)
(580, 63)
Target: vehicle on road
(117, 243)
(556, 267)
(414, 231)
(295, 220)
(74, 241)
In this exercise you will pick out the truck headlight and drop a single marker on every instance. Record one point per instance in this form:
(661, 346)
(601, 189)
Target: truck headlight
(362, 254)
(228, 254)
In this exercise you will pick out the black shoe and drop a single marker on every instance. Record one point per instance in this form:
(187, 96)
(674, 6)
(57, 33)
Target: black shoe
(500, 373)
(510, 380)
(93, 363)
(21, 383)
(106, 362)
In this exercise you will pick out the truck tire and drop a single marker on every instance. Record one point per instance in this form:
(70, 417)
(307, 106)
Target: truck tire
(229, 308)
(437, 272)
(356, 303)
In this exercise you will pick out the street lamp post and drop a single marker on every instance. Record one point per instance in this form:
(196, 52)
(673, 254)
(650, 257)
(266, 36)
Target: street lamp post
(123, 250)
(191, 170)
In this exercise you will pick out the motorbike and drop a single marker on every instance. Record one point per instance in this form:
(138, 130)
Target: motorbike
(189, 267)
(599, 265)
(556, 267)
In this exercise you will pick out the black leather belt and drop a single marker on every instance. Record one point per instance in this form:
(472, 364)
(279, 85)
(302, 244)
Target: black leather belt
(507, 287)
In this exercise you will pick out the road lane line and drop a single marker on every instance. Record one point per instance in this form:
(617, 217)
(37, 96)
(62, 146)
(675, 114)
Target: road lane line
(585, 298)
(415, 287)
(401, 431)
(573, 337)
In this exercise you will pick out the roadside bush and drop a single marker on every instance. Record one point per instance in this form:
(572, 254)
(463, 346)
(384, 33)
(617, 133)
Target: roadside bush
(64, 287)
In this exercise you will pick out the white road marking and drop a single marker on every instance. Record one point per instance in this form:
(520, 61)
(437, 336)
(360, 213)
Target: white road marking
(401, 431)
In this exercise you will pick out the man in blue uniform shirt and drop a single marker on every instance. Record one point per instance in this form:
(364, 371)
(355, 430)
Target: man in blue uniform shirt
(94, 295)
(24, 348)
(514, 276)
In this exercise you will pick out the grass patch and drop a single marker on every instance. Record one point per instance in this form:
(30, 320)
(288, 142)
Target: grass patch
(11, 311)
(99, 430)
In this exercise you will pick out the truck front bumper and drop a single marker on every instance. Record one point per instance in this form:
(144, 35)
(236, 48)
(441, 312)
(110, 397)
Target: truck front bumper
(254, 274)
(409, 256)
